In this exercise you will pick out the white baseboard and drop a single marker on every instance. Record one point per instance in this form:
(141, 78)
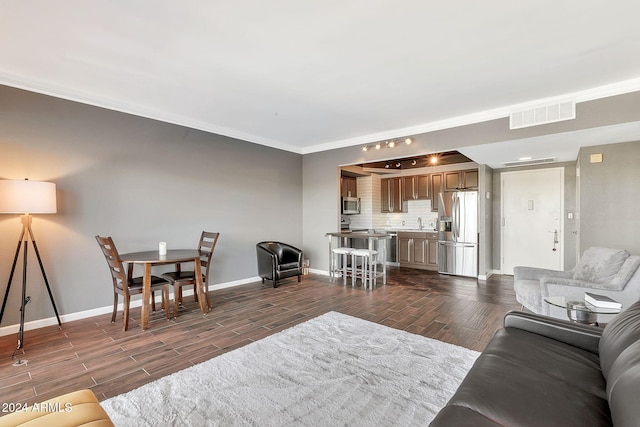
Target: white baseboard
(484, 277)
(320, 272)
(41, 323)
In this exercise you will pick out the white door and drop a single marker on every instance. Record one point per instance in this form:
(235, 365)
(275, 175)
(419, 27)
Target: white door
(532, 219)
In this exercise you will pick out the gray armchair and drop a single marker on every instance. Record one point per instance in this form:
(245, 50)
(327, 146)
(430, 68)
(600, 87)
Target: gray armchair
(277, 261)
(604, 271)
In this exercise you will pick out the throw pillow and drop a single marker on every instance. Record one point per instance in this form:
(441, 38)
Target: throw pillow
(626, 271)
(600, 265)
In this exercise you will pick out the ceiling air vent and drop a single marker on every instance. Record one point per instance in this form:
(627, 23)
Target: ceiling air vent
(542, 114)
(529, 162)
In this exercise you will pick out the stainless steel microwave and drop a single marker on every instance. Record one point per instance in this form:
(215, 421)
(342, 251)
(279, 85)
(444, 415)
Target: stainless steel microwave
(350, 205)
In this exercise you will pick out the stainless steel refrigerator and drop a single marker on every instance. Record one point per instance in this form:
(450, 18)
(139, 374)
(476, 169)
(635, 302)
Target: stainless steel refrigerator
(458, 233)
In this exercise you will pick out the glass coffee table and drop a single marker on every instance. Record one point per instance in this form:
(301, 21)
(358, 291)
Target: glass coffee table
(580, 311)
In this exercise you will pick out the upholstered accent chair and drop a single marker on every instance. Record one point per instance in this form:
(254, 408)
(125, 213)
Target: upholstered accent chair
(79, 408)
(604, 271)
(277, 260)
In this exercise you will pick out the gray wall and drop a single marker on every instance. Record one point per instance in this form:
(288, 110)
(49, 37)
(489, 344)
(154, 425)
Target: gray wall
(321, 202)
(140, 181)
(486, 196)
(609, 197)
(143, 181)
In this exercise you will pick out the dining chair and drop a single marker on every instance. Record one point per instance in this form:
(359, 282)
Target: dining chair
(126, 285)
(180, 278)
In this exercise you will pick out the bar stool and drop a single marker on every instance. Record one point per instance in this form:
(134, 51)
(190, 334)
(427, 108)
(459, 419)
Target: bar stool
(368, 258)
(335, 254)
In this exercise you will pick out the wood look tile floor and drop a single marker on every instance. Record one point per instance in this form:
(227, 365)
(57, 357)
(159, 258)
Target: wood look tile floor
(95, 353)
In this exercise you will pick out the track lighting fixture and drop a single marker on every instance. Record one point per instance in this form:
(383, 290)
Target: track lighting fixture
(387, 144)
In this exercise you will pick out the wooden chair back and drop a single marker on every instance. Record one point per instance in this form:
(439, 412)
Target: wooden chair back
(207, 244)
(115, 263)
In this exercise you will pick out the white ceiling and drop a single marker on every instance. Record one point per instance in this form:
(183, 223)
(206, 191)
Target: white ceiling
(307, 76)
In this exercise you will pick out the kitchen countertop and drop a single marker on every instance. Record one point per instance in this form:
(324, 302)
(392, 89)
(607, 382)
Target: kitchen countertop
(414, 230)
(359, 234)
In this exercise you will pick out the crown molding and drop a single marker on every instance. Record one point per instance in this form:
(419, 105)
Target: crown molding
(604, 91)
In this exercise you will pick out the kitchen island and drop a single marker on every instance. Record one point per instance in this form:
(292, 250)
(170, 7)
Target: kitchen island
(341, 239)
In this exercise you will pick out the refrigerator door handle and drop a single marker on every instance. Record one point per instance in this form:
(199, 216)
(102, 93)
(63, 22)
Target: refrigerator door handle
(459, 245)
(456, 216)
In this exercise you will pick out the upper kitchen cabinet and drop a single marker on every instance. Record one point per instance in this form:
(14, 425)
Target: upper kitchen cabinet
(415, 187)
(461, 180)
(435, 180)
(391, 191)
(348, 186)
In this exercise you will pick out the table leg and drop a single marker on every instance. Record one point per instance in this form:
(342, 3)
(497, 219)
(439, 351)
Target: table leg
(384, 260)
(372, 272)
(331, 266)
(146, 295)
(202, 297)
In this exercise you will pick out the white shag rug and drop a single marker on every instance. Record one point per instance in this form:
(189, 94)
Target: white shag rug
(333, 370)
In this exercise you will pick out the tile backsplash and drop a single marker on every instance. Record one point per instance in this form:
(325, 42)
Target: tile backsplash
(368, 188)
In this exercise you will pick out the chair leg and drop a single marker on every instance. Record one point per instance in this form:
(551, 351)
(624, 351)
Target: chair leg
(115, 307)
(153, 301)
(373, 283)
(165, 301)
(177, 293)
(125, 321)
(299, 278)
(344, 269)
(206, 294)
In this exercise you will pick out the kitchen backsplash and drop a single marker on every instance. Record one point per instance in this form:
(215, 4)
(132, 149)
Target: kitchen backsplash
(368, 188)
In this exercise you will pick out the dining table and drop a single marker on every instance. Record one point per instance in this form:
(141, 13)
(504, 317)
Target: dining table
(149, 259)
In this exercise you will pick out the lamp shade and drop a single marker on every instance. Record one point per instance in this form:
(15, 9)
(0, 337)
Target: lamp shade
(24, 196)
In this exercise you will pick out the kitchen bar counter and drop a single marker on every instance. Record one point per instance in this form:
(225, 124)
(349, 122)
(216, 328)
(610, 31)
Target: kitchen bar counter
(359, 235)
(343, 237)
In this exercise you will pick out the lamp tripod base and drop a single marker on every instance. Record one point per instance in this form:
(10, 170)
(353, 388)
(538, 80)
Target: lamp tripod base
(26, 236)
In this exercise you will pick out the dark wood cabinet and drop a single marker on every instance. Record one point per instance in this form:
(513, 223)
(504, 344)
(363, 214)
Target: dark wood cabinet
(391, 194)
(418, 250)
(436, 187)
(461, 180)
(432, 250)
(348, 186)
(415, 187)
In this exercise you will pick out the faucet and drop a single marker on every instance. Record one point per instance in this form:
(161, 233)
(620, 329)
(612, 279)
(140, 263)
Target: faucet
(420, 223)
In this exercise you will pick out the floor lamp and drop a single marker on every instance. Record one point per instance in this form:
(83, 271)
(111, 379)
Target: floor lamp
(26, 197)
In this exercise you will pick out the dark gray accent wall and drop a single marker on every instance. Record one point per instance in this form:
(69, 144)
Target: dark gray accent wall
(609, 197)
(140, 181)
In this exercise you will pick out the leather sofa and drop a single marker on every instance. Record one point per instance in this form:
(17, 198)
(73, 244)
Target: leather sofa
(277, 260)
(541, 371)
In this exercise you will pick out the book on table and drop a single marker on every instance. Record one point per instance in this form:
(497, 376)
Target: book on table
(601, 300)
